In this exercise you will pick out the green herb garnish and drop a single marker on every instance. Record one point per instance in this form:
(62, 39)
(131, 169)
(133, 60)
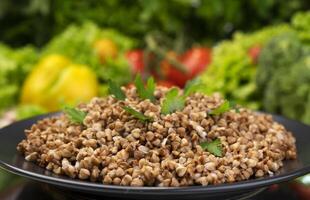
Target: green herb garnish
(193, 86)
(145, 92)
(116, 90)
(172, 102)
(137, 114)
(175, 102)
(75, 115)
(224, 107)
(214, 147)
(234, 106)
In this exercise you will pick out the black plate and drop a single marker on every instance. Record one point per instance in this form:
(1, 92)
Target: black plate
(12, 161)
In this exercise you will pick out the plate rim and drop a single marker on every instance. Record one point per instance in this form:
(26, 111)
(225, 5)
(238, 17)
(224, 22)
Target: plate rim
(92, 186)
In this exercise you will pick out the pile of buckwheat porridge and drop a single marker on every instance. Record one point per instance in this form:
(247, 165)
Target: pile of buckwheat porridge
(114, 147)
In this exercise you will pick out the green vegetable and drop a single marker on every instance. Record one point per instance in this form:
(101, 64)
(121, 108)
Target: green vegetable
(8, 96)
(283, 76)
(232, 71)
(224, 107)
(137, 114)
(37, 20)
(172, 102)
(145, 92)
(116, 90)
(26, 111)
(14, 67)
(214, 147)
(301, 23)
(115, 69)
(7, 180)
(304, 180)
(75, 115)
(285, 46)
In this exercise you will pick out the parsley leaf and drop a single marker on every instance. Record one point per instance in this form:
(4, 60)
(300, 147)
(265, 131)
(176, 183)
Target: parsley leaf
(137, 114)
(234, 106)
(145, 92)
(116, 90)
(193, 86)
(214, 147)
(172, 102)
(224, 107)
(75, 115)
(175, 102)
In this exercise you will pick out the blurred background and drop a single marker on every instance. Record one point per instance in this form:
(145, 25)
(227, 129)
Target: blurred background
(254, 52)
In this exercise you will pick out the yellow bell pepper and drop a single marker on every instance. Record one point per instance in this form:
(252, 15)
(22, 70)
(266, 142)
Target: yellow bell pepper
(56, 81)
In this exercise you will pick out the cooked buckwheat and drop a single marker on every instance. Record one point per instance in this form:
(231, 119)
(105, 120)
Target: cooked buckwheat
(113, 147)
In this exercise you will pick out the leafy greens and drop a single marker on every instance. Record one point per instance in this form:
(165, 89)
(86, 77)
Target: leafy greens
(145, 92)
(214, 147)
(75, 115)
(116, 90)
(137, 114)
(224, 107)
(172, 102)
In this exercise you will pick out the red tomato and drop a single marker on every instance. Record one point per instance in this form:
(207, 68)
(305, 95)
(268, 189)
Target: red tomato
(170, 72)
(136, 61)
(254, 52)
(194, 60)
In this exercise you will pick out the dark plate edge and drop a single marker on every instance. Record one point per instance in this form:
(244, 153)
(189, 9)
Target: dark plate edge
(96, 187)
